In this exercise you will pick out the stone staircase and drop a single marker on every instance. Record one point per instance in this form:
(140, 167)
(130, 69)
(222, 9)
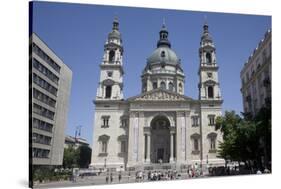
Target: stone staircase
(159, 167)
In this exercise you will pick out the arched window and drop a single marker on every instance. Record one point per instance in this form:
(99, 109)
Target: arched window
(103, 140)
(180, 87)
(210, 92)
(154, 85)
(162, 85)
(171, 86)
(208, 58)
(195, 144)
(212, 143)
(163, 54)
(144, 87)
(108, 91)
(212, 139)
(111, 56)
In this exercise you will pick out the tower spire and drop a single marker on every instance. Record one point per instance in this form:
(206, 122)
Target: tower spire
(206, 36)
(163, 36)
(110, 87)
(205, 26)
(115, 24)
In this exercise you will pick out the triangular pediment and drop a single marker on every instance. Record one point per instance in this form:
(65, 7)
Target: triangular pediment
(210, 82)
(159, 95)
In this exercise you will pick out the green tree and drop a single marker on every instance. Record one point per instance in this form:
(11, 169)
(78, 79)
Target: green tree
(229, 125)
(84, 156)
(246, 139)
(70, 157)
(263, 121)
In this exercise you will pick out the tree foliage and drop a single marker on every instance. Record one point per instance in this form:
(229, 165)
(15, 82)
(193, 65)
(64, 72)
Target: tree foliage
(245, 139)
(70, 157)
(84, 156)
(79, 157)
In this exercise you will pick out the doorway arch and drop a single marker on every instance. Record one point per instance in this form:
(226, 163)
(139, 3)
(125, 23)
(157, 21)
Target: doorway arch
(160, 139)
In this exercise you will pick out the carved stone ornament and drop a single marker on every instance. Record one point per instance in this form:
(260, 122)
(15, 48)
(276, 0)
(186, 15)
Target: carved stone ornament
(161, 96)
(108, 82)
(210, 83)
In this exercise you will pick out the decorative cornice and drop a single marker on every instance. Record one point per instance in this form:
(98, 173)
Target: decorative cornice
(122, 137)
(147, 130)
(212, 135)
(195, 135)
(210, 82)
(159, 95)
(180, 113)
(134, 114)
(172, 129)
(104, 138)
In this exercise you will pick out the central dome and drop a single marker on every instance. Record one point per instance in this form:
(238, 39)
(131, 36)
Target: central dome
(115, 34)
(163, 54)
(163, 68)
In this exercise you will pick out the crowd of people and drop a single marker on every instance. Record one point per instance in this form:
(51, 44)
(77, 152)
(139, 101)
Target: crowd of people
(193, 171)
(161, 175)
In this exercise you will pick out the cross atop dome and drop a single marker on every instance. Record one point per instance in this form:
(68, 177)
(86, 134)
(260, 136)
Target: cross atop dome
(164, 24)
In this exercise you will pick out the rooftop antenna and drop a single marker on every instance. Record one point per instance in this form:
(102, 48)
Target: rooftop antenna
(78, 131)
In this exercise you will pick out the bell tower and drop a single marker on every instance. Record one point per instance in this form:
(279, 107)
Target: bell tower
(209, 87)
(111, 68)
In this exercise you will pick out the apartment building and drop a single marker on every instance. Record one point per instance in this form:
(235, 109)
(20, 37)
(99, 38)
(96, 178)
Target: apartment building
(256, 77)
(50, 85)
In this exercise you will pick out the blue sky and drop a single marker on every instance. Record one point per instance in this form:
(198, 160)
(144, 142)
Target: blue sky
(76, 33)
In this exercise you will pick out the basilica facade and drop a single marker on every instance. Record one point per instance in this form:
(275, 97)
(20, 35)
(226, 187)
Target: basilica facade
(161, 125)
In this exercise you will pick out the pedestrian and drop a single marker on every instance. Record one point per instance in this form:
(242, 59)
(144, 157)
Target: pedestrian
(106, 179)
(193, 173)
(266, 170)
(149, 175)
(189, 173)
(119, 177)
(111, 178)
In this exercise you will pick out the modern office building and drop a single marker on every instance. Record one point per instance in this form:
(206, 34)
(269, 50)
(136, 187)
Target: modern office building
(160, 126)
(74, 142)
(50, 84)
(256, 77)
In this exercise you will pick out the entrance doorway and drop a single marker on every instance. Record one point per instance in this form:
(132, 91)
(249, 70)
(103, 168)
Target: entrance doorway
(160, 140)
(160, 154)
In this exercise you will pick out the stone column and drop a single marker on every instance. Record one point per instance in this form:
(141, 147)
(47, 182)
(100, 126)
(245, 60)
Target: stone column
(172, 135)
(148, 148)
(146, 131)
(172, 147)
